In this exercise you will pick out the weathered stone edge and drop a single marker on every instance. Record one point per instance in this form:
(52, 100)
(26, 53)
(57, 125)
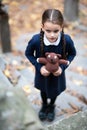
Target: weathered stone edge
(77, 121)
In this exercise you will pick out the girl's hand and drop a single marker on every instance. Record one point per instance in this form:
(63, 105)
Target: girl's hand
(44, 72)
(58, 72)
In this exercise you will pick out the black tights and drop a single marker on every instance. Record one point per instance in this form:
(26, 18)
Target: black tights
(44, 98)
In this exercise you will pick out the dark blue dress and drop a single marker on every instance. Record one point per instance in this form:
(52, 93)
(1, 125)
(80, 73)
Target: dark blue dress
(51, 85)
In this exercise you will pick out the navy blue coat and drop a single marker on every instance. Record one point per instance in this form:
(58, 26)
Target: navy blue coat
(51, 85)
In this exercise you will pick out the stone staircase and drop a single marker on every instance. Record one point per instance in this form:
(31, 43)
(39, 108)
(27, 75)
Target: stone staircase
(16, 71)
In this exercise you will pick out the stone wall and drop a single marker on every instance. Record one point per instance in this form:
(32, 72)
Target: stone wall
(77, 121)
(16, 113)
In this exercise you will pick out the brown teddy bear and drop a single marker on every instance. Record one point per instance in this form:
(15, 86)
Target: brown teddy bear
(52, 61)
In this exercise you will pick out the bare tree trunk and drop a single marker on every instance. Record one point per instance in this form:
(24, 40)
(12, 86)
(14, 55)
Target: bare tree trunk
(4, 31)
(71, 9)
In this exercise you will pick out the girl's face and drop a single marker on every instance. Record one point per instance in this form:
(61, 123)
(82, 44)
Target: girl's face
(51, 31)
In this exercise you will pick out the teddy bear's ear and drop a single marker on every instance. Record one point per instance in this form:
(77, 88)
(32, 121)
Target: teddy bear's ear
(59, 55)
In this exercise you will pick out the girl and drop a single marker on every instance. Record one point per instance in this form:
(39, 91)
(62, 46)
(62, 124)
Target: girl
(50, 39)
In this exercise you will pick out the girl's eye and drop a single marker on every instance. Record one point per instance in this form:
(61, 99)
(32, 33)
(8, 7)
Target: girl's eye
(56, 31)
(48, 31)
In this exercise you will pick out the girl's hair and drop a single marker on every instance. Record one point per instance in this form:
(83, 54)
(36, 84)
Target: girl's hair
(56, 17)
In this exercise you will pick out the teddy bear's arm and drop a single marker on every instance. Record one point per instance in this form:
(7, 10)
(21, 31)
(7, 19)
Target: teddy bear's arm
(42, 60)
(62, 61)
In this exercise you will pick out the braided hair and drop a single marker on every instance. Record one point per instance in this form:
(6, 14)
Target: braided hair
(54, 16)
(63, 45)
(42, 42)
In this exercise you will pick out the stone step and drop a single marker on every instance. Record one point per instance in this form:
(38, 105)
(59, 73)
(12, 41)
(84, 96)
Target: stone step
(4, 81)
(76, 78)
(77, 83)
(2, 64)
(66, 98)
(16, 79)
(80, 61)
(28, 74)
(64, 103)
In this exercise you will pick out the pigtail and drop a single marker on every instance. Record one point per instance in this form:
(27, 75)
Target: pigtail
(63, 45)
(42, 42)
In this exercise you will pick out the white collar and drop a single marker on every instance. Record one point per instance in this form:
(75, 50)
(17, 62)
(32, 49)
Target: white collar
(47, 43)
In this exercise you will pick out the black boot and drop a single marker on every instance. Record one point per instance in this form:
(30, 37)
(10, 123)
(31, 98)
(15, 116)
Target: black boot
(51, 112)
(43, 112)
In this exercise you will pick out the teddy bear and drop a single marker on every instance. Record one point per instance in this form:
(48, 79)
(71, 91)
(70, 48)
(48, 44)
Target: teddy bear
(51, 61)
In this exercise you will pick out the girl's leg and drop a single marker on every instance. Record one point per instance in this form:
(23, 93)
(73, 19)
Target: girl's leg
(43, 111)
(44, 97)
(51, 110)
(53, 101)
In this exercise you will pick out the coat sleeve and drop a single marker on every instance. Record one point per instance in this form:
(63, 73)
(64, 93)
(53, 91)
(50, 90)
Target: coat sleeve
(30, 53)
(70, 51)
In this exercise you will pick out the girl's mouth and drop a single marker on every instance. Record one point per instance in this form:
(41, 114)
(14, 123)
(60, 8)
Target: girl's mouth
(52, 39)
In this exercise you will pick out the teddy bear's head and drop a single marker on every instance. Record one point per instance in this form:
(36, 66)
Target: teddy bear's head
(52, 57)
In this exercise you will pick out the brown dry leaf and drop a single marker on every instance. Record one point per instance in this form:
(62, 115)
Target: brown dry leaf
(82, 71)
(84, 2)
(7, 73)
(14, 81)
(11, 73)
(67, 110)
(60, 113)
(78, 82)
(14, 3)
(37, 102)
(73, 106)
(70, 111)
(79, 70)
(80, 97)
(26, 89)
(21, 67)
(85, 46)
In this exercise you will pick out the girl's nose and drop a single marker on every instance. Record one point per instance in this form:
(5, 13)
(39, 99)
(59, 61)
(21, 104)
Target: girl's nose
(52, 34)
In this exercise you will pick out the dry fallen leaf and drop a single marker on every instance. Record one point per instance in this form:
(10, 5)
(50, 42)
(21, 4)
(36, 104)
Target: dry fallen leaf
(26, 89)
(79, 70)
(12, 74)
(78, 82)
(7, 72)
